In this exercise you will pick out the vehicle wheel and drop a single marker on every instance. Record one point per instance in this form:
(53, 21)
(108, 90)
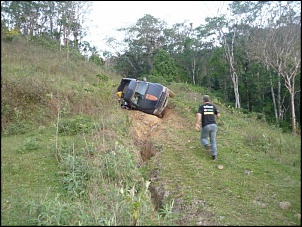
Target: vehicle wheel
(171, 94)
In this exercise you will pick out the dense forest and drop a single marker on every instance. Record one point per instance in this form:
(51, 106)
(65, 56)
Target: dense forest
(250, 57)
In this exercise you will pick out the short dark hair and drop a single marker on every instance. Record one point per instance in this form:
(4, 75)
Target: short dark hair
(206, 98)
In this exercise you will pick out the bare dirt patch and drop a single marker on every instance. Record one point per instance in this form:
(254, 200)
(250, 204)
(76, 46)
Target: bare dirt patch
(146, 130)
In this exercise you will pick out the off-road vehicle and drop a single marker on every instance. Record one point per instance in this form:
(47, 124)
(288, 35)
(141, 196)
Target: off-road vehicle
(148, 97)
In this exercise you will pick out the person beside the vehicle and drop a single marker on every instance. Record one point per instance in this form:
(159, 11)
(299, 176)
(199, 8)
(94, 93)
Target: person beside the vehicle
(119, 94)
(206, 116)
(124, 104)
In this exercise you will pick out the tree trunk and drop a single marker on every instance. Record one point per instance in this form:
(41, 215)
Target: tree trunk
(193, 71)
(292, 99)
(229, 53)
(273, 98)
(280, 117)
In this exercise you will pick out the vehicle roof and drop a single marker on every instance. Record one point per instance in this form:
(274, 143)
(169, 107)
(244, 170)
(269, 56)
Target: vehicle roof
(129, 78)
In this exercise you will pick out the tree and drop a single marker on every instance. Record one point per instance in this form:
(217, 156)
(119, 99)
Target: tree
(277, 45)
(142, 40)
(226, 35)
(60, 20)
(280, 49)
(165, 68)
(186, 49)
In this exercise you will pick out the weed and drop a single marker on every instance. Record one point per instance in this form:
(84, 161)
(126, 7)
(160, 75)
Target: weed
(166, 211)
(88, 172)
(31, 144)
(75, 125)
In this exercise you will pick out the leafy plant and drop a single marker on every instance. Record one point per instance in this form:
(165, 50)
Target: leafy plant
(31, 144)
(91, 173)
(75, 125)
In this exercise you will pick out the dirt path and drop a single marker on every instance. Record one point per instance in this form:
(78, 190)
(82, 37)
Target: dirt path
(147, 128)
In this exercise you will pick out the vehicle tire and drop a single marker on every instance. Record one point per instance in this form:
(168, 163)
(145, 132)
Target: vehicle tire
(171, 94)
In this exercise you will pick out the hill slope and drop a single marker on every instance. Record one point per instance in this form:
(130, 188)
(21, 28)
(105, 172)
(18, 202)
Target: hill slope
(253, 185)
(70, 154)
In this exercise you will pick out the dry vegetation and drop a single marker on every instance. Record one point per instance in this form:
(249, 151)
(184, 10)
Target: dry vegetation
(72, 156)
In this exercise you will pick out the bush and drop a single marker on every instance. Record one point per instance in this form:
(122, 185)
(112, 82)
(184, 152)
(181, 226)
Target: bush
(75, 125)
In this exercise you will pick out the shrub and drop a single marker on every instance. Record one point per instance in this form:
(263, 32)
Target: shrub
(75, 125)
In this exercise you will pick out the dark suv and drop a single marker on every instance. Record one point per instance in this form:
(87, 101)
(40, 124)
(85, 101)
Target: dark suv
(148, 97)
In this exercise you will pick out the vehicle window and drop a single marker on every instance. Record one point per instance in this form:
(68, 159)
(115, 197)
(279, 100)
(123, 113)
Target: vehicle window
(141, 88)
(128, 92)
(139, 92)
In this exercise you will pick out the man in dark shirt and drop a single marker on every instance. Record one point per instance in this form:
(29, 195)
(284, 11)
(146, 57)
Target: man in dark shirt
(206, 116)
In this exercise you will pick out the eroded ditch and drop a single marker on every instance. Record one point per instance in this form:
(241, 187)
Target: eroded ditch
(145, 129)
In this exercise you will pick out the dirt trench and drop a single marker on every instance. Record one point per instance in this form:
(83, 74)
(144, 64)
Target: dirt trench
(146, 130)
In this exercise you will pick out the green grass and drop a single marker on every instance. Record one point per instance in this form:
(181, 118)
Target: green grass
(28, 173)
(68, 157)
(261, 169)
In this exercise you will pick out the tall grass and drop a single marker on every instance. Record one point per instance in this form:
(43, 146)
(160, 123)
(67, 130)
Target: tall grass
(68, 156)
(60, 119)
(261, 171)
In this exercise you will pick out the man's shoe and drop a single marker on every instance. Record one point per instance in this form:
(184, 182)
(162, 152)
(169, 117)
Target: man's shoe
(214, 157)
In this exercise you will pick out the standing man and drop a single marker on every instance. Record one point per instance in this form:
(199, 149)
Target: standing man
(206, 116)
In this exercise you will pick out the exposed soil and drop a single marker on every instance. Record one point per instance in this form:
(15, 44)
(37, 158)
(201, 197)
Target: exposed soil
(146, 129)
(147, 126)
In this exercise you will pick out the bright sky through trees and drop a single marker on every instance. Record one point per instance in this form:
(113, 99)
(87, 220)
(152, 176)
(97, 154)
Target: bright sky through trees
(107, 16)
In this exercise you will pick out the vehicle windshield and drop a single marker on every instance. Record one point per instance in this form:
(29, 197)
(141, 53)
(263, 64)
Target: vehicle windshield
(139, 92)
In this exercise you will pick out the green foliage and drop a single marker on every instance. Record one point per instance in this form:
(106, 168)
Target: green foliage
(19, 125)
(10, 35)
(31, 144)
(76, 174)
(17, 128)
(90, 173)
(118, 165)
(24, 95)
(28, 175)
(75, 125)
(157, 79)
(164, 67)
(102, 77)
(46, 41)
(166, 211)
(96, 59)
(37, 84)
(53, 212)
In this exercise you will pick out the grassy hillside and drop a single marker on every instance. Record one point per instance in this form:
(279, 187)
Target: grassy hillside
(71, 156)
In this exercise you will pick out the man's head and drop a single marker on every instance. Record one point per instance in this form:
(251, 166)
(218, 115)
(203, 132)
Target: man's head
(206, 98)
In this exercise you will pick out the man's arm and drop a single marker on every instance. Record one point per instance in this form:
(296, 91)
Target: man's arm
(198, 121)
(217, 114)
